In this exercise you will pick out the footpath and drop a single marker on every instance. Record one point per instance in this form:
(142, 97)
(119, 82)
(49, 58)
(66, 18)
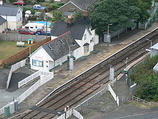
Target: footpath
(101, 52)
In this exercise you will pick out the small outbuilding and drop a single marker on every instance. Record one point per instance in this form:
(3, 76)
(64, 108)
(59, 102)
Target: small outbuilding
(30, 41)
(154, 50)
(54, 53)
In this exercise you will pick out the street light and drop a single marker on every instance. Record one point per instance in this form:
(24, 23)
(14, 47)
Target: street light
(46, 25)
(150, 42)
(71, 58)
(108, 29)
(108, 34)
(126, 61)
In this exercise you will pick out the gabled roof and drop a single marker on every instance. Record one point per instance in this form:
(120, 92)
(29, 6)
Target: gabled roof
(76, 28)
(9, 11)
(81, 4)
(2, 20)
(60, 46)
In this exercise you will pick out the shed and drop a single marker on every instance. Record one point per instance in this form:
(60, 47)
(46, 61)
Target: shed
(54, 53)
(154, 50)
(30, 41)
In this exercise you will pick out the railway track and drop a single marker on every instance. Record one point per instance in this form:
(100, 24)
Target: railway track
(81, 87)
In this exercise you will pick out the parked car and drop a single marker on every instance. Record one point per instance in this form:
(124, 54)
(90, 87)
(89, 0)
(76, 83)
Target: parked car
(19, 3)
(38, 7)
(26, 31)
(42, 32)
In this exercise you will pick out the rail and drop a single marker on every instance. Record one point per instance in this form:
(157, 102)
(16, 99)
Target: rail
(99, 64)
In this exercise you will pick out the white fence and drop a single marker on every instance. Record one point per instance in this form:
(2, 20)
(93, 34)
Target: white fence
(29, 91)
(69, 113)
(44, 77)
(113, 94)
(28, 79)
(14, 68)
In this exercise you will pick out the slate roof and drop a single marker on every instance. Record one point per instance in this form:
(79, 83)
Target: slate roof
(59, 46)
(2, 20)
(77, 28)
(9, 11)
(83, 4)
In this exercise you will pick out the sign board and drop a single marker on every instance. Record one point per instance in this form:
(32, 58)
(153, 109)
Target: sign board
(111, 73)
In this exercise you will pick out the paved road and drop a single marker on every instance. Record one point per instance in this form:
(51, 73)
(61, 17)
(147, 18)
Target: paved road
(132, 112)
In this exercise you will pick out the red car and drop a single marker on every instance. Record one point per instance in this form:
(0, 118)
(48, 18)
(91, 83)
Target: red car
(26, 31)
(19, 3)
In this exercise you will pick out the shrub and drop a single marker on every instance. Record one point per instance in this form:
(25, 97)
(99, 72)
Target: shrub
(146, 79)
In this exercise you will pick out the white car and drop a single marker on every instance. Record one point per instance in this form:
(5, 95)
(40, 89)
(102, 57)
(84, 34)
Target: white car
(37, 7)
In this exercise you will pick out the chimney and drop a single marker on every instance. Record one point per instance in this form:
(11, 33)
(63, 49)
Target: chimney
(85, 13)
(69, 20)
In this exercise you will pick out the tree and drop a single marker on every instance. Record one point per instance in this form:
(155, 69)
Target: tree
(78, 15)
(119, 13)
(57, 15)
(144, 6)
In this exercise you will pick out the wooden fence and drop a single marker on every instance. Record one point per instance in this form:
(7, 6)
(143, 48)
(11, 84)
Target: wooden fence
(22, 54)
(140, 100)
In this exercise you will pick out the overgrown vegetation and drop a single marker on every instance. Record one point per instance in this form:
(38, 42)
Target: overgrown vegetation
(146, 79)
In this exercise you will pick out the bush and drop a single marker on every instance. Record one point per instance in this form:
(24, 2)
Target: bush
(32, 18)
(146, 79)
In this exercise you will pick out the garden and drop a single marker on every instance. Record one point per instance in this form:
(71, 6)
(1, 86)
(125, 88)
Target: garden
(9, 48)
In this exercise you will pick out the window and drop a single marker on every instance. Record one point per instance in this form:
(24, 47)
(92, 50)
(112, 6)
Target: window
(72, 10)
(84, 36)
(86, 49)
(37, 63)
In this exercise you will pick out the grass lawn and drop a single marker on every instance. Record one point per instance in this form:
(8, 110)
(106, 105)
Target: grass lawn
(9, 48)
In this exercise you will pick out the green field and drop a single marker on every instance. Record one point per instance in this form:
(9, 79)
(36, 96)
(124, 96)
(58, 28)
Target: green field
(9, 48)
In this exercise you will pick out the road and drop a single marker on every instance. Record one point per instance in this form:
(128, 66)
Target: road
(131, 112)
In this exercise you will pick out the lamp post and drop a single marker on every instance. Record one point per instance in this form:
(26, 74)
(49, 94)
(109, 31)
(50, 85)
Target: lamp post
(126, 73)
(71, 58)
(108, 29)
(46, 26)
(108, 34)
(126, 61)
(150, 42)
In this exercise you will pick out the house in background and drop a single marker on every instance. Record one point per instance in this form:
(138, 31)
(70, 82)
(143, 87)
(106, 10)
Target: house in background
(3, 24)
(62, 1)
(81, 31)
(13, 15)
(54, 53)
(73, 6)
